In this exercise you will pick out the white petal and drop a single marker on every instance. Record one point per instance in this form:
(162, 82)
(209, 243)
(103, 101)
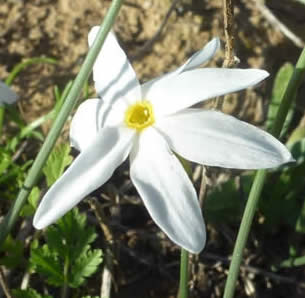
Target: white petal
(7, 95)
(113, 74)
(90, 117)
(200, 57)
(193, 62)
(167, 191)
(91, 169)
(175, 93)
(215, 139)
(84, 125)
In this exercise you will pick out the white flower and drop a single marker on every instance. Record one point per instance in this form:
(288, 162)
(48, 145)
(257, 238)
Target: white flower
(7, 95)
(148, 123)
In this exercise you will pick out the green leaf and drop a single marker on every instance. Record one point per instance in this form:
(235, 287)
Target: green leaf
(22, 65)
(84, 267)
(67, 244)
(28, 293)
(278, 206)
(70, 236)
(33, 199)
(300, 224)
(5, 160)
(58, 160)
(298, 151)
(280, 83)
(46, 262)
(293, 262)
(297, 135)
(224, 204)
(12, 251)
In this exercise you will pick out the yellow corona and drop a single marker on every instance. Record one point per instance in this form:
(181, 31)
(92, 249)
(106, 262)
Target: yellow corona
(140, 115)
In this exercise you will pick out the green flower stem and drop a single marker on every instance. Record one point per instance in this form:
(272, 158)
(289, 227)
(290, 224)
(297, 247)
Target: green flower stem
(66, 109)
(2, 109)
(36, 123)
(257, 186)
(64, 293)
(184, 274)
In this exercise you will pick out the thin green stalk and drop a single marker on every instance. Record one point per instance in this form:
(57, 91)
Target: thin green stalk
(66, 109)
(257, 186)
(65, 288)
(2, 109)
(36, 123)
(184, 274)
(20, 66)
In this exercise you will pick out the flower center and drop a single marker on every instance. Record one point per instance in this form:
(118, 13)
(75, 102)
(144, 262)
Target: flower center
(140, 115)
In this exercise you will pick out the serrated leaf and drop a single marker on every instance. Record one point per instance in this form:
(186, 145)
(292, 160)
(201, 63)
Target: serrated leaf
(46, 263)
(33, 199)
(84, 267)
(70, 236)
(12, 251)
(280, 83)
(5, 161)
(224, 203)
(27, 210)
(58, 160)
(28, 293)
(67, 244)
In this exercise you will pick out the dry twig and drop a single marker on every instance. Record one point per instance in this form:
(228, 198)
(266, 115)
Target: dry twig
(277, 24)
(108, 243)
(228, 16)
(256, 270)
(4, 285)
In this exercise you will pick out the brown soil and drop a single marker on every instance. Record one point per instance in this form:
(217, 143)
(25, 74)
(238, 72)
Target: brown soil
(148, 264)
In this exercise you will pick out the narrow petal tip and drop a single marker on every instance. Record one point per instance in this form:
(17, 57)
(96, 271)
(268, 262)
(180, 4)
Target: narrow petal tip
(216, 40)
(264, 74)
(256, 75)
(38, 223)
(197, 247)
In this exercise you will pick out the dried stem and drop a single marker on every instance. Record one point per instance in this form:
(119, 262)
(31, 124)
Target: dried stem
(228, 16)
(4, 285)
(277, 24)
(108, 243)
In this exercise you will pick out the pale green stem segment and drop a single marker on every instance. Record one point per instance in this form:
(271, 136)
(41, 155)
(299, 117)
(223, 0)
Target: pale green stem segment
(184, 274)
(20, 66)
(66, 109)
(257, 186)
(65, 288)
(2, 109)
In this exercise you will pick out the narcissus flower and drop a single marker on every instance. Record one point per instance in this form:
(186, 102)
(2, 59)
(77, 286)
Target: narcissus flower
(7, 95)
(151, 122)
